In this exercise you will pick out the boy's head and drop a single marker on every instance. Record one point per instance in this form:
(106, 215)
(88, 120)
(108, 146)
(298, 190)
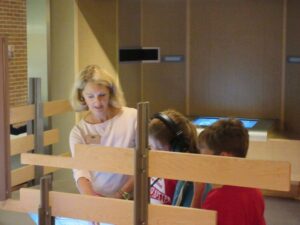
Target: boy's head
(170, 130)
(225, 137)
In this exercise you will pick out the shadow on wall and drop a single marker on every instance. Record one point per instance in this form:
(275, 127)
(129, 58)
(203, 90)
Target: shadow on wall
(98, 37)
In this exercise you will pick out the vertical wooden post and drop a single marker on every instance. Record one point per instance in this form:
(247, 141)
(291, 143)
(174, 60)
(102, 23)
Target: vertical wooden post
(141, 184)
(5, 179)
(45, 217)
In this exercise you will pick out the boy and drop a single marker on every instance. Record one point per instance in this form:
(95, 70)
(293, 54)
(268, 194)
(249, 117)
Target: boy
(234, 205)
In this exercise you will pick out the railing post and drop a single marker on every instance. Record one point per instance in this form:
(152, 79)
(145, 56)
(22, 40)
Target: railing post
(36, 126)
(45, 217)
(5, 175)
(141, 184)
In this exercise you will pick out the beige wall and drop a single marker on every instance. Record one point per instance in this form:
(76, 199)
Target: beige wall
(97, 34)
(37, 41)
(63, 64)
(82, 33)
(292, 87)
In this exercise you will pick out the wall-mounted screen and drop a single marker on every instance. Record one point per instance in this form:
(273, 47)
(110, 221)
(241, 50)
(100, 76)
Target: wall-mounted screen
(145, 55)
(207, 121)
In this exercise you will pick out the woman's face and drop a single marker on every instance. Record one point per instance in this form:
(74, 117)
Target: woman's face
(96, 98)
(157, 145)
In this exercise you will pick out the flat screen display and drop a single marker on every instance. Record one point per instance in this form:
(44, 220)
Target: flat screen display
(145, 54)
(207, 121)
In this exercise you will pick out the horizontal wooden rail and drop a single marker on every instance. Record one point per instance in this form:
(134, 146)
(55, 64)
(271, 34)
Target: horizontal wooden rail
(278, 149)
(25, 113)
(56, 107)
(100, 209)
(262, 174)
(21, 114)
(122, 163)
(26, 173)
(26, 143)
(13, 205)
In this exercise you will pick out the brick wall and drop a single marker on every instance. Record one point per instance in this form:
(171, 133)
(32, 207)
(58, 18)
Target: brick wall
(13, 26)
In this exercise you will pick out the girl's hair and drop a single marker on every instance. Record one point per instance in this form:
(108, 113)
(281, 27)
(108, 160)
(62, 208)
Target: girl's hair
(97, 75)
(226, 135)
(162, 133)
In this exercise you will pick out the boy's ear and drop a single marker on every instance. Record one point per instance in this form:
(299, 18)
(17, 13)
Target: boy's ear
(225, 154)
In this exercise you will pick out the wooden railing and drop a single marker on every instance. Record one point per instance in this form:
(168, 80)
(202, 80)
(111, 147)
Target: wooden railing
(26, 143)
(216, 169)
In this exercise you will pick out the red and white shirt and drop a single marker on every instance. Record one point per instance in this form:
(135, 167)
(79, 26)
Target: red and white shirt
(162, 191)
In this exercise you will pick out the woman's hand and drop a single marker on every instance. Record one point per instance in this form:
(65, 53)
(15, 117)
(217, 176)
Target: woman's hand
(118, 195)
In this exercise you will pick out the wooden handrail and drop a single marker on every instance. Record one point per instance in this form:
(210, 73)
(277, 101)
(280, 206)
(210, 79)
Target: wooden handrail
(263, 174)
(94, 208)
(26, 143)
(26, 112)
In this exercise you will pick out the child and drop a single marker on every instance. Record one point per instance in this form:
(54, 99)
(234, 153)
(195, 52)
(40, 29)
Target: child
(235, 205)
(171, 131)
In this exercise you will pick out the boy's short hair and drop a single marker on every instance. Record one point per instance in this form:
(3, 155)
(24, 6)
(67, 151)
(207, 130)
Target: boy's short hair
(226, 135)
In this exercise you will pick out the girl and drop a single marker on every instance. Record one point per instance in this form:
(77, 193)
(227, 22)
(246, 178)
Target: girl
(171, 131)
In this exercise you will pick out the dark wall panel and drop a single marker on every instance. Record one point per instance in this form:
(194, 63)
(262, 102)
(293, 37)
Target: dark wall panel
(236, 55)
(129, 17)
(164, 26)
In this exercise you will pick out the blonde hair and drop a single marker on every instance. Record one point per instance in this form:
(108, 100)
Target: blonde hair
(162, 133)
(97, 75)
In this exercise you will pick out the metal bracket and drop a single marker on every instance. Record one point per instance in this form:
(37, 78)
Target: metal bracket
(36, 126)
(141, 197)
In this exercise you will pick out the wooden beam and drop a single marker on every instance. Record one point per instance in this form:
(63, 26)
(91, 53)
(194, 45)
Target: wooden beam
(26, 143)
(221, 170)
(122, 163)
(56, 107)
(26, 173)
(22, 175)
(25, 113)
(164, 214)
(263, 174)
(13, 205)
(21, 114)
(113, 211)
(278, 150)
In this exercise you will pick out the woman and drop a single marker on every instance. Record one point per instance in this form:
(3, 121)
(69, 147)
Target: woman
(107, 123)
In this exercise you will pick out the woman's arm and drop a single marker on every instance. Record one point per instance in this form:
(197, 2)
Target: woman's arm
(85, 187)
(127, 188)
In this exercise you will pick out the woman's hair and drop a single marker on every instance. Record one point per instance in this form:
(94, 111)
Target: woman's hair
(159, 131)
(97, 75)
(226, 135)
